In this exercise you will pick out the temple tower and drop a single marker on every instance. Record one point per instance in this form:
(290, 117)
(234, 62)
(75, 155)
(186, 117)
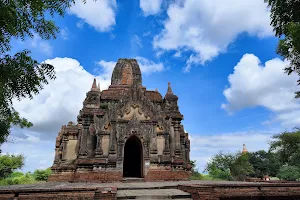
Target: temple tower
(124, 131)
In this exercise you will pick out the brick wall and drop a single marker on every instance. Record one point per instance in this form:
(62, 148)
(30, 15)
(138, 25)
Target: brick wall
(7, 196)
(242, 192)
(102, 176)
(103, 193)
(166, 175)
(111, 176)
(73, 195)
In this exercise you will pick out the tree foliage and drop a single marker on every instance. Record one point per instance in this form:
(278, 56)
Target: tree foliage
(10, 163)
(241, 167)
(287, 146)
(285, 18)
(42, 175)
(264, 163)
(220, 161)
(229, 166)
(289, 173)
(21, 75)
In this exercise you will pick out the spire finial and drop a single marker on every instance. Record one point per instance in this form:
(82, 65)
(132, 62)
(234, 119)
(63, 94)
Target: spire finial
(244, 149)
(169, 89)
(94, 84)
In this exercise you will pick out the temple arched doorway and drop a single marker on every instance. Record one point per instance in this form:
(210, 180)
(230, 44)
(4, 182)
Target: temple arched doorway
(133, 157)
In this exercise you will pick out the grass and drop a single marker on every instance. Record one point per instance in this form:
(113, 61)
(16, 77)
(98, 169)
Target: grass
(203, 177)
(17, 178)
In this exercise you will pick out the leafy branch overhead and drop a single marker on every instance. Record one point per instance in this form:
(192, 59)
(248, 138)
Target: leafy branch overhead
(21, 76)
(285, 19)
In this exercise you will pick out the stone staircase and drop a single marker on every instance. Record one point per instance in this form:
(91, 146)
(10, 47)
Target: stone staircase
(148, 194)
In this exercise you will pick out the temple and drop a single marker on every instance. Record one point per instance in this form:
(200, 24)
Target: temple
(124, 131)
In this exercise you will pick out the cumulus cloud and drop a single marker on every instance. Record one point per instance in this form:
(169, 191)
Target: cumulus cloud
(39, 154)
(99, 14)
(64, 33)
(146, 66)
(207, 27)
(203, 147)
(150, 7)
(60, 101)
(37, 43)
(255, 84)
(136, 40)
(57, 104)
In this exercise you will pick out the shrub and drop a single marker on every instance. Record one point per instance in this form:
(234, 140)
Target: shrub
(289, 173)
(16, 174)
(42, 175)
(216, 173)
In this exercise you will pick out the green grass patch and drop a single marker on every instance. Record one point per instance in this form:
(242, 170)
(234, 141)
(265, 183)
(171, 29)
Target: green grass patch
(18, 178)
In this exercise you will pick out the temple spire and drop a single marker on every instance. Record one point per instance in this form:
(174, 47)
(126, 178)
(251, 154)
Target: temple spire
(244, 149)
(94, 86)
(169, 89)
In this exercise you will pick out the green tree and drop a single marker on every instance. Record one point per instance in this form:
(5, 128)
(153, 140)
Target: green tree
(289, 173)
(42, 175)
(216, 173)
(264, 163)
(220, 161)
(21, 76)
(219, 166)
(285, 18)
(10, 163)
(287, 146)
(241, 167)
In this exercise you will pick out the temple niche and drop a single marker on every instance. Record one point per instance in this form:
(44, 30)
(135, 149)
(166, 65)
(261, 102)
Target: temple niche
(124, 131)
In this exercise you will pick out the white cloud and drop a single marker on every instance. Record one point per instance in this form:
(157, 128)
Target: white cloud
(150, 7)
(57, 104)
(136, 39)
(146, 66)
(39, 154)
(41, 45)
(64, 33)
(207, 27)
(203, 147)
(80, 24)
(99, 14)
(254, 84)
(60, 100)
(145, 34)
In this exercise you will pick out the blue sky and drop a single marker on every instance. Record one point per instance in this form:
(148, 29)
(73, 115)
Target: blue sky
(218, 55)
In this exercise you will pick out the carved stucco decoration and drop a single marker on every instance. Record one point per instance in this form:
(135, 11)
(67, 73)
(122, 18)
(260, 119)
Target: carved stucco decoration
(159, 128)
(107, 126)
(133, 127)
(134, 109)
(92, 129)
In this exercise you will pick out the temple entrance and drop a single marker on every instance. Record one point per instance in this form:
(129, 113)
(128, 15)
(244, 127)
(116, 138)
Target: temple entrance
(132, 164)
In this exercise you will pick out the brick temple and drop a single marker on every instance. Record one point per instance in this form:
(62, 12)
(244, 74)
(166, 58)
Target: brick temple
(124, 131)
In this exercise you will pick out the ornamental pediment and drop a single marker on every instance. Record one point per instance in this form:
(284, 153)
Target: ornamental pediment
(134, 110)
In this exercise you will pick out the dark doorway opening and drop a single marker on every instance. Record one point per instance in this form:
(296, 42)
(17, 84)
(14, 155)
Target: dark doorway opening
(132, 164)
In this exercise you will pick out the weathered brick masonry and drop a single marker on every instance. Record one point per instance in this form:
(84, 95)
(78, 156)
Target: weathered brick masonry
(124, 131)
(199, 190)
(84, 193)
(243, 191)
